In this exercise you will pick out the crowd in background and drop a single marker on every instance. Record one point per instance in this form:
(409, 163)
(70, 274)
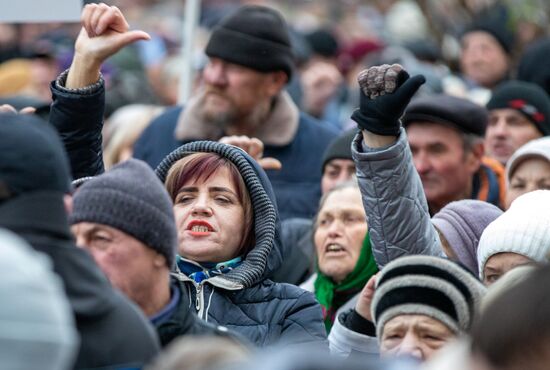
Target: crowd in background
(351, 184)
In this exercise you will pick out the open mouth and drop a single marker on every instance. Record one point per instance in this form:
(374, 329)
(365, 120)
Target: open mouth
(199, 227)
(333, 248)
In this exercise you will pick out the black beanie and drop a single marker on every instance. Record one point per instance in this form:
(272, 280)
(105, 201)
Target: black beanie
(339, 148)
(32, 156)
(496, 22)
(527, 98)
(323, 42)
(530, 67)
(130, 198)
(256, 37)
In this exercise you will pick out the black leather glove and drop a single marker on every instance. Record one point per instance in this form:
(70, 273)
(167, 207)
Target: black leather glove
(380, 112)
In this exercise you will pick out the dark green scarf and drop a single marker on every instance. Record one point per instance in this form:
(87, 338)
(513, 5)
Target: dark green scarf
(332, 296)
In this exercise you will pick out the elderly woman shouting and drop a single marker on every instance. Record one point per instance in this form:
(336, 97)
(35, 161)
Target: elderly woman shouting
(229, 243)
(344, 257)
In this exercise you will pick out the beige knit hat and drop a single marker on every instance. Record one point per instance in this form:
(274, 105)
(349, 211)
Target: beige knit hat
(523, 229)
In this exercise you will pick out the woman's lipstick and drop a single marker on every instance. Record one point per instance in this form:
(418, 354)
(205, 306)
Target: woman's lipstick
(199, 228)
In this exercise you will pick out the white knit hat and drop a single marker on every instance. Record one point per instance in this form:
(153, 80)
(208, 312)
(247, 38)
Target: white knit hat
(534, 148)
(523, 229)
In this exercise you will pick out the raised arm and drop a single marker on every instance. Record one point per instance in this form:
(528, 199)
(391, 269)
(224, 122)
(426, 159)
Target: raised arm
(393, 197)
(79, 93)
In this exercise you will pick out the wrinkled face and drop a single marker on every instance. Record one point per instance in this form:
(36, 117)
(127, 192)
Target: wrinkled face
(210, 219)
(439, 158)
(232, 92)
(336, 172)
(483, 59)
(532, 174)
(500, 263)
(129, 264)
(341, 229)
(507, 130)
(418, 336)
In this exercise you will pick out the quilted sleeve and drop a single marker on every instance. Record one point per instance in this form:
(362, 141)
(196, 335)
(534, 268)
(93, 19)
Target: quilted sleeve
(394, 201)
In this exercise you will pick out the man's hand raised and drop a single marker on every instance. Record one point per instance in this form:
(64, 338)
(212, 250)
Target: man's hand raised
(385, 93)
(104, 32)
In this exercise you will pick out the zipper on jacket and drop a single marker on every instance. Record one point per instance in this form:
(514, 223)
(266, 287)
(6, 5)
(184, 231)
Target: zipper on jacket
(198, 300)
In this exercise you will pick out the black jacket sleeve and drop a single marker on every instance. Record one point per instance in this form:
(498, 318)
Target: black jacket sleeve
(78, 117)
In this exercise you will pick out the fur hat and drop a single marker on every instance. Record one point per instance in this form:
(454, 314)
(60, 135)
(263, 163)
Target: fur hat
(426, 285)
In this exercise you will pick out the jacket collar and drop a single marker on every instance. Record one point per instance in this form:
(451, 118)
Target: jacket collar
(278, 130)
(40, 212)
(182, 320)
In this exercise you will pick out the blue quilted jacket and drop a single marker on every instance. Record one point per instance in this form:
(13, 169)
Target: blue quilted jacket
(243, 299)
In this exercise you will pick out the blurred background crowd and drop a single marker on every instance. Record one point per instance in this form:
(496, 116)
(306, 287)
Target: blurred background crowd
(332, 40)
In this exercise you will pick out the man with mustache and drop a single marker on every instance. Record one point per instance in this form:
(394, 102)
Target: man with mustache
(250, 62)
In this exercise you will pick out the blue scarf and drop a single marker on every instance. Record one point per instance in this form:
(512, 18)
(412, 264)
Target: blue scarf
(199, 272)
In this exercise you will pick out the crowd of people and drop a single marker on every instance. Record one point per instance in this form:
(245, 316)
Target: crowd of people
(323, 200)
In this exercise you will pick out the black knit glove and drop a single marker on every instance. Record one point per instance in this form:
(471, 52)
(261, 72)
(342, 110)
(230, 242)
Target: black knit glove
(385, 93)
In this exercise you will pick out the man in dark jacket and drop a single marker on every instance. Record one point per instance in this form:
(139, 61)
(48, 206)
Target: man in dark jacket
(34, 178)
(124, 218)
(243, 94)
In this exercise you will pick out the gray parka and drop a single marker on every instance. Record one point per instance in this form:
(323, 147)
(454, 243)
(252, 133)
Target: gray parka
(394, 201)
(398, 217)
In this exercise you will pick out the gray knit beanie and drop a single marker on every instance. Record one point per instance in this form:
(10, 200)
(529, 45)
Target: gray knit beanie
(462, 223)
(522, 229)
(130, 198)
(426, 285)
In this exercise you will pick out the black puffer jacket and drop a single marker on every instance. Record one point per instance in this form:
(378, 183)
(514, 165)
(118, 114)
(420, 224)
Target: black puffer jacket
(244, 300)
(184, 322)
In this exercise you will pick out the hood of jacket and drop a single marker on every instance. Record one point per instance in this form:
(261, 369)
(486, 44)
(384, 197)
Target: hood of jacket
(266, 256)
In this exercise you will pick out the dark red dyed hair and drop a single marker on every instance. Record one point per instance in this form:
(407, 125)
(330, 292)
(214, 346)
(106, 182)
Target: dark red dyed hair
(199, 167)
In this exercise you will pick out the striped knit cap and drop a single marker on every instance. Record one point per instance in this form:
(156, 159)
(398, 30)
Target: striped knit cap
(522, 229)
(253, 268)
(130, 198)
(426, 285)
